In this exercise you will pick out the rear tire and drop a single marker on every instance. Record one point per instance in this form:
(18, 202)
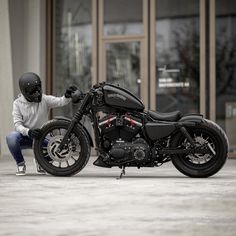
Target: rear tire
(70, 160)
(202, 165)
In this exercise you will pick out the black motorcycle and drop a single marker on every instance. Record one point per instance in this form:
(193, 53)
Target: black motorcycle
(127, 135)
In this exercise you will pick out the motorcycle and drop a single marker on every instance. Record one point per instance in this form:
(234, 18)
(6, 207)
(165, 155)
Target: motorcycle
(126, 135)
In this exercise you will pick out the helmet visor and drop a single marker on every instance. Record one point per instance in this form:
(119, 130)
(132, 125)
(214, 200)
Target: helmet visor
(34, 93)
(33, 89)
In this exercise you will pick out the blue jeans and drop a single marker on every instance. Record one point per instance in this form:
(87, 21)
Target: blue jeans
(16, 142)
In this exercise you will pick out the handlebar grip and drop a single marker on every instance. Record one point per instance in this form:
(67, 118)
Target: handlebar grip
(77, 96)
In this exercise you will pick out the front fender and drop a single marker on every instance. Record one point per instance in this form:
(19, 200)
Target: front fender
(80, 124)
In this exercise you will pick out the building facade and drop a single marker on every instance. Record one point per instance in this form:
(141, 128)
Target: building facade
(173, 54)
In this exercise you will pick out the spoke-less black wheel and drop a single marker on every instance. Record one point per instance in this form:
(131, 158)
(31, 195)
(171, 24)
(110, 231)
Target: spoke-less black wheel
(212, 137)
(71, 159)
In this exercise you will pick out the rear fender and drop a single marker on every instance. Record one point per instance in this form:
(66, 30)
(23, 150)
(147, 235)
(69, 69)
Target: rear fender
(190, 120)
(80, 125)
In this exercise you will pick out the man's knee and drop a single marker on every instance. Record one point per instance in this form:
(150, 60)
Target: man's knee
(13, 138)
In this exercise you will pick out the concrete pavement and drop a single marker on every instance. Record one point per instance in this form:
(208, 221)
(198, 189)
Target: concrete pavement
(149, 201)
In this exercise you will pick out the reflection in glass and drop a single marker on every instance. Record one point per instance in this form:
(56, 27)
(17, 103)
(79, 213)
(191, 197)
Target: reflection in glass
(123, 17)
(73, 45)
(177, 46)
(226, 68)
(123, 65)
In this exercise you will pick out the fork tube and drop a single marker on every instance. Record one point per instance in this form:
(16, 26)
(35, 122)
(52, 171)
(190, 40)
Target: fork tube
(64, 140)
(76, 118)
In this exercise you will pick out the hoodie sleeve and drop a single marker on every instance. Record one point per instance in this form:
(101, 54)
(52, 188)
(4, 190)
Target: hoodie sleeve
(53, 101)
(18, 120)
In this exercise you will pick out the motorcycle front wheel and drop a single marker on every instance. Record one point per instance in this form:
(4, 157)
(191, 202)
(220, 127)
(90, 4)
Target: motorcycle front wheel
(71, 159)
(202, 165)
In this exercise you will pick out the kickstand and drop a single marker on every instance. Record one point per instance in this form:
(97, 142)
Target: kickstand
(122, 173)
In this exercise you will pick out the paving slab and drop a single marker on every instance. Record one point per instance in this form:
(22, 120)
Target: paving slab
(148, 201)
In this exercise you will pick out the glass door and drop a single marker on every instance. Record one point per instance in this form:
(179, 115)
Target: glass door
(72, 47)
(123, 47)
(176, 78)
(224, 85)
(122, 65)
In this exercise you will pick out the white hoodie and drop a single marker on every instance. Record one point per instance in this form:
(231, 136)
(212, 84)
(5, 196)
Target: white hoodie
(32, 115)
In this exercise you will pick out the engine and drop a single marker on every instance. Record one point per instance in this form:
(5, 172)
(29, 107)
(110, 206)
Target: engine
(121, 139)
(137, 151)
(114, 127)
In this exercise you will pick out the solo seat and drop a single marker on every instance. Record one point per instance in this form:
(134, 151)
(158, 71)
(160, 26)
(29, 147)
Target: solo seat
(169, 116)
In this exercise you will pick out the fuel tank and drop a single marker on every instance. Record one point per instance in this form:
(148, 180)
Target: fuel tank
(121, 98)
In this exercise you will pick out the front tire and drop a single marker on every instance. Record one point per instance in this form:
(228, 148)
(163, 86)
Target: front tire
(202, 165)
(72, 159)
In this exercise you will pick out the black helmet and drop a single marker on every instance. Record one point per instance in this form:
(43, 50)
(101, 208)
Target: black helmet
(30, 87)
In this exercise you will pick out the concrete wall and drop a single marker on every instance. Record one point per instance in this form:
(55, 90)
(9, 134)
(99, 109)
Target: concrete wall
(6, 83)
(22, 49)
(28, 27)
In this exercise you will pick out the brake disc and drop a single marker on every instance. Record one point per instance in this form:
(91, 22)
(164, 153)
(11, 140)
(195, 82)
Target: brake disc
(52, 147)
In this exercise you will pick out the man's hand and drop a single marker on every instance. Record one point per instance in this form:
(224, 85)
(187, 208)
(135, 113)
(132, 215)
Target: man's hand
(34, 133)
(69, 91)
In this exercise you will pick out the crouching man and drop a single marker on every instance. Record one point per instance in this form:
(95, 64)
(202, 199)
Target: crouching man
(30, 112)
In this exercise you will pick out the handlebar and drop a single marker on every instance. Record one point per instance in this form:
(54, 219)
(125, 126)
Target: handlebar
(77, 96)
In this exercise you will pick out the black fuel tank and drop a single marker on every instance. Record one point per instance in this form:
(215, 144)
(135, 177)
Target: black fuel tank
(121, 98)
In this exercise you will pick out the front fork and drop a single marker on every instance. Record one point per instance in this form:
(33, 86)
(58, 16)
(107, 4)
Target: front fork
(66, 137)
(76, 118)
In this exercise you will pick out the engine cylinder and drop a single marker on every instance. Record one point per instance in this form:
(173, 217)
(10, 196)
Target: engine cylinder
(125, 127)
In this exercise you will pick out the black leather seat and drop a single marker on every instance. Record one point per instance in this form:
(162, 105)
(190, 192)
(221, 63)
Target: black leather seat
(170, 116)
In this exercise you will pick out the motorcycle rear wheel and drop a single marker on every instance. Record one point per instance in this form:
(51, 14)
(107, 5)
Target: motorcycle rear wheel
(72, 159)
(202, 165)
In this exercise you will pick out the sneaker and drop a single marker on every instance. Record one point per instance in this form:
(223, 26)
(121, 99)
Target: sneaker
(21, 169)
(39, 169)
